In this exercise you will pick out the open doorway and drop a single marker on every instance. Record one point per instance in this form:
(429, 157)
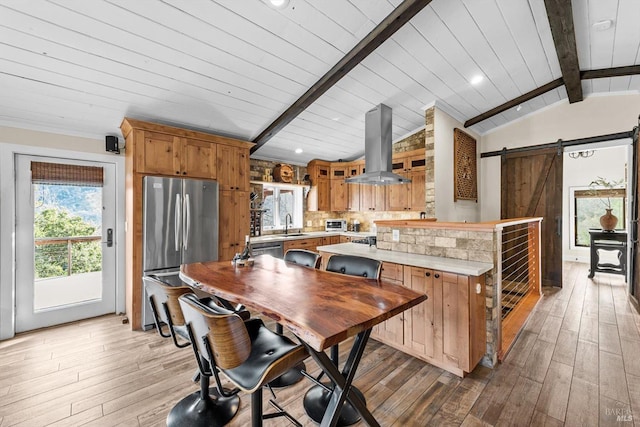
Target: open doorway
(596, 178)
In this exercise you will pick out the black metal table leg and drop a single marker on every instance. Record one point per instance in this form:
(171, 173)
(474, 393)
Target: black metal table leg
(342, 382)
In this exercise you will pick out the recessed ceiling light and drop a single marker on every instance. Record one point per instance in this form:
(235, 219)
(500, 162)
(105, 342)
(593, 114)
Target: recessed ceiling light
(336, 119)
(476, 79)
(279, 4)
(298, 150)
(519, 107)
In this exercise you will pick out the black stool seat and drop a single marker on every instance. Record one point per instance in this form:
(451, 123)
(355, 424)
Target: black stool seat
(303, 257)
(267, 347)
(207, 406)
(247, 352)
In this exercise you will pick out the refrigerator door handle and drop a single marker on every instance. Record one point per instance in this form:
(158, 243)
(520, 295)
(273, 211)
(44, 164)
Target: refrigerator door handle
(177, 222)
(187, 221)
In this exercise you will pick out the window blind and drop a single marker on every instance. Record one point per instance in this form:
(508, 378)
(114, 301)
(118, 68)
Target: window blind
(62, 174)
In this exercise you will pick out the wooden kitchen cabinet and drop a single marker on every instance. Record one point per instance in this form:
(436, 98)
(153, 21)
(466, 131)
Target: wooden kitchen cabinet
(330, 240)
(166, 154)
(410, 196)
(392, 330)
(234, 222)
(160, 150)
(373, 197)
(308, 244)
(353, 190)
(319, 197)
(448, 330)
(233, 167)
(339, 189)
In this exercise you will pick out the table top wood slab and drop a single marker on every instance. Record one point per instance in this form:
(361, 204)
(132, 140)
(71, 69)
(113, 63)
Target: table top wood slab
(320, 307)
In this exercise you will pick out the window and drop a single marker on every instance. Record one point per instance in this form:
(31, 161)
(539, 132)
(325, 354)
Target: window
(589, 206)
(280, 200)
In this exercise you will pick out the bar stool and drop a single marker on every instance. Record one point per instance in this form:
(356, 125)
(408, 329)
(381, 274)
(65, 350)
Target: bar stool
(247, 352)
(208, 406)
(317, 397)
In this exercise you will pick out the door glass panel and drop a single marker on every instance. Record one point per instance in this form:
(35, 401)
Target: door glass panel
(67, 249)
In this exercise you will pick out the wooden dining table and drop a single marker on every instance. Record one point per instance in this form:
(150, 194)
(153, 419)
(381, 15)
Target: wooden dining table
(319, 307)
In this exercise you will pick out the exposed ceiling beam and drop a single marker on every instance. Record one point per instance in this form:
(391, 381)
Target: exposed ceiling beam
(611, 72)
(629, 70)
(560, 15)
(516, 101)
(392, 23)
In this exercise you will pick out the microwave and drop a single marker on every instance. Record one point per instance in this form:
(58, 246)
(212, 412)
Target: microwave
(335, 225)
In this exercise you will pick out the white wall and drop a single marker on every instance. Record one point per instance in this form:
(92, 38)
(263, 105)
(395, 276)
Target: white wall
(596, 115)
(446, 208)
(20, 141)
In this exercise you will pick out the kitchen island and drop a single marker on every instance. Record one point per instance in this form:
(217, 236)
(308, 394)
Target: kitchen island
(449, 329)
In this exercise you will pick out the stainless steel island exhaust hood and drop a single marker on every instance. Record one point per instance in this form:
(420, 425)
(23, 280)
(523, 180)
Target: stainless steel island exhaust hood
(378, 150)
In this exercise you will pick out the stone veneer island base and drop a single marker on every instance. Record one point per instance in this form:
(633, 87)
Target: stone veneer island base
(459, 266)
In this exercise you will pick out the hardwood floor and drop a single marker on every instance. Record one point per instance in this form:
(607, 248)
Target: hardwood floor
(576, 363)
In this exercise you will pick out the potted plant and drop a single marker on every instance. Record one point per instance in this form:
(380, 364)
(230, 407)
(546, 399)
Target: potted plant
(608, 221)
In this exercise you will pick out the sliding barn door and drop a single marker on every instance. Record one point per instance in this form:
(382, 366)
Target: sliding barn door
(635, 257)
(532, 187)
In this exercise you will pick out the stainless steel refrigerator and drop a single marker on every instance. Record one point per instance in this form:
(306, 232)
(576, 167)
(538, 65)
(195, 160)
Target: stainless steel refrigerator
(180, 226)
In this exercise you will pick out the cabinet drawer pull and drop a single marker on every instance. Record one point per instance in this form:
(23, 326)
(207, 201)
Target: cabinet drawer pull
(427, 274)
(437, 276)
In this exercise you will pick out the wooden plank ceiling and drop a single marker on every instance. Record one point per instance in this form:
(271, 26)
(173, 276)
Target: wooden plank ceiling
(233, 67)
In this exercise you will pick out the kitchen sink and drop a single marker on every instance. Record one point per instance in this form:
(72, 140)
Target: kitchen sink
(293, 235)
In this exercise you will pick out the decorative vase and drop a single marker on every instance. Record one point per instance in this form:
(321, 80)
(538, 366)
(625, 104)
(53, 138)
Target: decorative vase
(608, 221)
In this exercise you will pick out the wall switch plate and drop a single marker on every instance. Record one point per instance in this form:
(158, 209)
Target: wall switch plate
(309, 223)
(395, 235)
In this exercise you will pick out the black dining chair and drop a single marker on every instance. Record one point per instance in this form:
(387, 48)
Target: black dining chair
(208, 406)
(303, 257)
(247, 352)
(317, 398)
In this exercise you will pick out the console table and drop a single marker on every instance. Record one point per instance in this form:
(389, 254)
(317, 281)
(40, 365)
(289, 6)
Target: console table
(608, 241)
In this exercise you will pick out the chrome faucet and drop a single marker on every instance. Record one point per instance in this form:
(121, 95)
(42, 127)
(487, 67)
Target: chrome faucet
(287, 221)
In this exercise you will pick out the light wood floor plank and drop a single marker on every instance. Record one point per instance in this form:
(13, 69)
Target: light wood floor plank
(631, 357)
(614, 413)
(521, 403)
(538, 361)
(550, 329)
(589, 328)
(606, 311)
(565, 351)
(540, 419)
(613, 381)
(555, 391)
(608, 338)
(99, 373)
(586, 365)
(633, 382)
(489, 404)
(583, 407)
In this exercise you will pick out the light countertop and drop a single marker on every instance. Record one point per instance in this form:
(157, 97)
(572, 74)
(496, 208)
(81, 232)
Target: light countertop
(469, 268)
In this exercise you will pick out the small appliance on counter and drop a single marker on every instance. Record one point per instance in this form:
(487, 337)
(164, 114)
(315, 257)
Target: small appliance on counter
(356, 226)
(335, 225)
(369, 240)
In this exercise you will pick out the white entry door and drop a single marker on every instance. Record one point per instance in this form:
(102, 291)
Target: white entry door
(65, 248)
